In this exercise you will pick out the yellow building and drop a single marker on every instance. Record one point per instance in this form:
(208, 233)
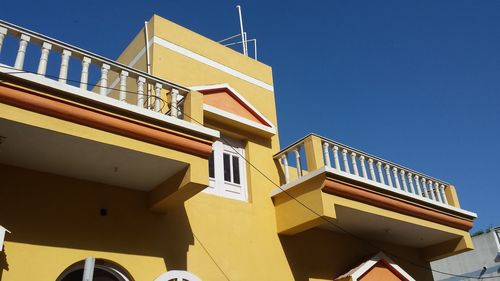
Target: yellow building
(111, 172)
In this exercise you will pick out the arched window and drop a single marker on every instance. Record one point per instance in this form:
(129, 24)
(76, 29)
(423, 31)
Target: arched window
(177, 275)
(104, 270)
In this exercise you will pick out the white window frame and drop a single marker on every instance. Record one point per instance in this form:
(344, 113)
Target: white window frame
(217, 185)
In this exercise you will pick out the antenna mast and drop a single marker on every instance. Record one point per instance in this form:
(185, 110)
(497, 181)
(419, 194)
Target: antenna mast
(243, 37)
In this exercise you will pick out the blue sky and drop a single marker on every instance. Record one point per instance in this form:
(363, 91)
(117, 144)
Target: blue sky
(415, 82)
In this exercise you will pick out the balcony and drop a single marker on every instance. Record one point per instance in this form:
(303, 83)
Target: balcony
(367, 196)
(70, 112)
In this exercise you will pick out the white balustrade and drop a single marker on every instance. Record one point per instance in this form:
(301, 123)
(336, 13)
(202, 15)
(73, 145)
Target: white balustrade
(108, 69)
(44, 58)
(364, 167)
(21, 52)
(63, 71)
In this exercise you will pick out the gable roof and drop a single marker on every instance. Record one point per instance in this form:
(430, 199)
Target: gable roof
(358, 272)
(224, 101)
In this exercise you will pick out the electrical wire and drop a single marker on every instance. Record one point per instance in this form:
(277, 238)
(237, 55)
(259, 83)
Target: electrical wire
(367, 242)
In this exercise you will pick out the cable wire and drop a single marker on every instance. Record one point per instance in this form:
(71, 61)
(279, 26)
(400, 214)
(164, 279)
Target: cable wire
(367, 242)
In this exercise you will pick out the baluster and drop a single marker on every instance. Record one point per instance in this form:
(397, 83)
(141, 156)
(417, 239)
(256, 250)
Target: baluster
(431, 192)
(363, 167)
(285, 163)
(63, 71)
(380, 174)
(21, 52)
(354, 164)
(84, 78)
(104, 79)
(388, 174)
(297, 160)
(140, 91)
(396, 179)
(346, 163)
(445, 200)
(417, 185)
(412, 188)
(326, 154)
(424, 188)
(336, 157)
(3, 32)
(122, 96)
(173, 106)
(158, 100)
(372, 170)
(403, 180)
(438, 193)
(44, 58)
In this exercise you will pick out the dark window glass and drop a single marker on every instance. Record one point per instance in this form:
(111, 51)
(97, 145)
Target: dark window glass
(236, 170)
(211, 169)
(227, 167)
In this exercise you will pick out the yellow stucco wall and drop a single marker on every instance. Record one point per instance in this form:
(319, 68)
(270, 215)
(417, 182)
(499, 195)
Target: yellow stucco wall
(55, 221)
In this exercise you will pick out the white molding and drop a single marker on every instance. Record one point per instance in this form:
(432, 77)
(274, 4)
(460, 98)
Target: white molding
(89, 95)
(237, 118)
(367, 265)
(177, 275)
(190, 54)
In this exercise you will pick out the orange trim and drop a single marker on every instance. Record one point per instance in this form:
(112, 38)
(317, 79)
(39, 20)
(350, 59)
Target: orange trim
(78, 114)
(379, 275)
(357, 193)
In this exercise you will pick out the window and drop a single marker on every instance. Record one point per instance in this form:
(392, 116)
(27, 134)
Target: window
(226, 170)
(102, 270)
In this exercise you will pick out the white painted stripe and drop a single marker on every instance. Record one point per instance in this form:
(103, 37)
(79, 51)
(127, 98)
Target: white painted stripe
(209, 62)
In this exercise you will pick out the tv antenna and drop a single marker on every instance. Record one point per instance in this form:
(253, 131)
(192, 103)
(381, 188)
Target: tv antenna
(243, 38)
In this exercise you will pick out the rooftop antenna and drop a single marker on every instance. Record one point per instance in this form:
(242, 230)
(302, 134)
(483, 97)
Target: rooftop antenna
(244, 39)
(243, 34)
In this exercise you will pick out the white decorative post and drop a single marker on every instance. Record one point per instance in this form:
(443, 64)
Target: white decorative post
(417, 186)
(44, 58)
(122, 96)
(431, 191)
(297, 160)
(354, 164)
(438, 193)
(396, 179)
(445, 200)
(84, 78)
(410, 177)
(403, 180)
(363, 167)
(285, 164)
(158, 88)
(140, 91)
(21, 52)
(372, 169)
(388, 174)
(63, 71)
(380, 174)
(104, 80)
(346, 162)
(174, 110)
(326, 154)
(3, 32)
(336, 157)
(424, 188)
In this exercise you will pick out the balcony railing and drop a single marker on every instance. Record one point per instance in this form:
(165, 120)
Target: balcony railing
(144, 94)
(361, 166)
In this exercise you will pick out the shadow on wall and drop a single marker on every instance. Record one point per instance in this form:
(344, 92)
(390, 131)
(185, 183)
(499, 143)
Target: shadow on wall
(325, 255)
(49, 210)
(3, 262)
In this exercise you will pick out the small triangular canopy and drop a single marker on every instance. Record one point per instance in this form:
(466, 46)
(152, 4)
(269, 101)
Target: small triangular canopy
(379, 267)
(226, 103)
(2, 236)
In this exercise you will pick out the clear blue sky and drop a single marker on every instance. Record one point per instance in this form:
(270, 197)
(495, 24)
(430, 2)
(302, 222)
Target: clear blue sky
(416, 82)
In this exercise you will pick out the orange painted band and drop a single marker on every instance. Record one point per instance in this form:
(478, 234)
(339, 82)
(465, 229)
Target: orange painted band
(379, 200)
(95, 119)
